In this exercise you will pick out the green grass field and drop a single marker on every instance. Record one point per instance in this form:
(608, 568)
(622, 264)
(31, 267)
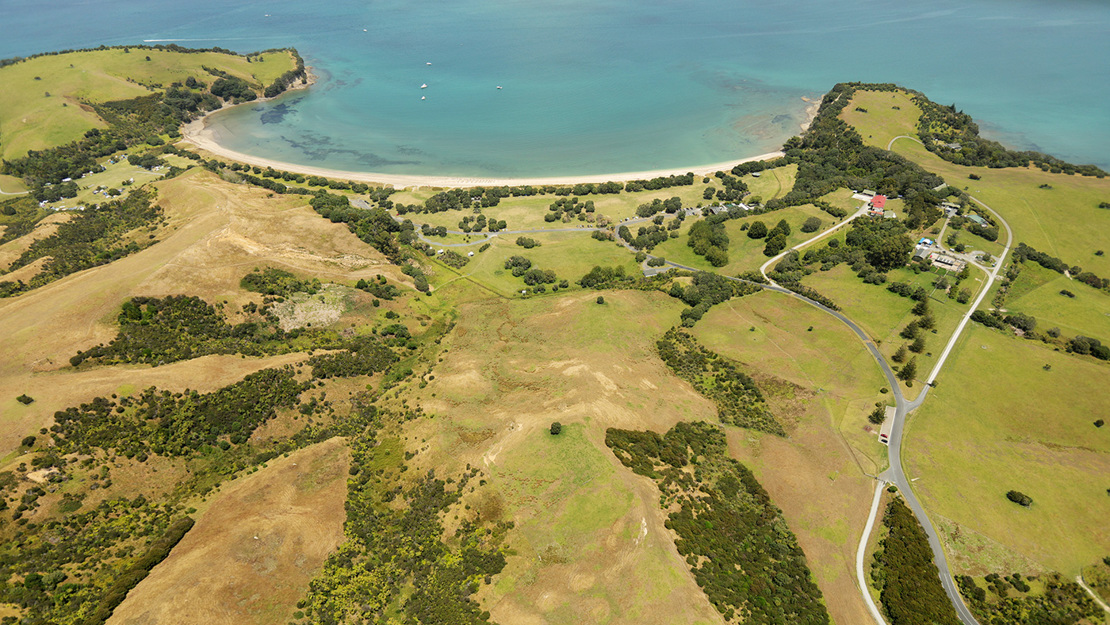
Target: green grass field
(574, 477)
(883, 314)
(999, 421)
(744, 254)
(10, 185)
(569, 254)
(782, 336)
(1063, 221)
(772, 183)
(975, 242)
(588, 543)
(1036, 292)
(888, 114)
(42, 100)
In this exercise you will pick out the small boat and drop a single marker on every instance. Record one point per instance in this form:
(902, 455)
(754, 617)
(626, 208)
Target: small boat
(422, 97)
(424, 86)
(363, 30)
(498, 86)
(427, 63)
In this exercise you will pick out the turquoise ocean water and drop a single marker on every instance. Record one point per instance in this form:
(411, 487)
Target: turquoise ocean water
(611, 85)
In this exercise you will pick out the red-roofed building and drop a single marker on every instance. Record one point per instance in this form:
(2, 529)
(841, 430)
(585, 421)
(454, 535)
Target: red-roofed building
(878, 203)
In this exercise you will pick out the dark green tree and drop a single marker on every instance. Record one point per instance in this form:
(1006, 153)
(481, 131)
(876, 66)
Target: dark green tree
(918, 345)
(757, 230)
(909, 371)
(878, 415)
(775, 245)
(900, 355)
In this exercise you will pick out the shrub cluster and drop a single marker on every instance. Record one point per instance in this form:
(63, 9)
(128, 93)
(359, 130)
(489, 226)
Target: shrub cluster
(1060, 601)
(177, 424)
(93, 237)
(942, 128)
(733, 538)
(739, 401)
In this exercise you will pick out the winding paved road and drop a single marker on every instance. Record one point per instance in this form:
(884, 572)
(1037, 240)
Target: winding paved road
(895, 473)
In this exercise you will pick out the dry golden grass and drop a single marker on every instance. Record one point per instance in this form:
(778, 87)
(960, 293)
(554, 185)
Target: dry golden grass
(215, 233)
(15, 248)
(589, 538)
(253, 551)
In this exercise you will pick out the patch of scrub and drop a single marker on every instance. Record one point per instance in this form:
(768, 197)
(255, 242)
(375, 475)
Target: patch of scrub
(322, 309)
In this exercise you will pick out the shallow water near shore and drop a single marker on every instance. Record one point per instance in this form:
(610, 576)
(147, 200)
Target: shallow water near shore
(593, 87)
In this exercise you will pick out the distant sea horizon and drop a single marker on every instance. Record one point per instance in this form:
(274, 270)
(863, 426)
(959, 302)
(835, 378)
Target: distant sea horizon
(579, 88)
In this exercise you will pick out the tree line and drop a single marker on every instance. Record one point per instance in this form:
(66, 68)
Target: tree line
(904, 573)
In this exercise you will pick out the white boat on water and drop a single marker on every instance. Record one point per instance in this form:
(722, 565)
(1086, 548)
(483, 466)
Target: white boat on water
(422, 97)
(424, 86)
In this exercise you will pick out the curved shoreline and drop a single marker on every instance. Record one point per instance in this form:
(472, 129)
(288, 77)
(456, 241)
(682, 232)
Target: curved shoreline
(199, 134)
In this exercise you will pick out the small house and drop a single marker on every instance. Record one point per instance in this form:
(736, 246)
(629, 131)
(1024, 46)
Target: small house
(977, 219)
(877, 205)
(949, 208)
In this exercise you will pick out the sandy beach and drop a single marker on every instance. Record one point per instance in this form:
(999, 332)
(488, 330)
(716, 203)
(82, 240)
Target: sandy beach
(200, 134)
